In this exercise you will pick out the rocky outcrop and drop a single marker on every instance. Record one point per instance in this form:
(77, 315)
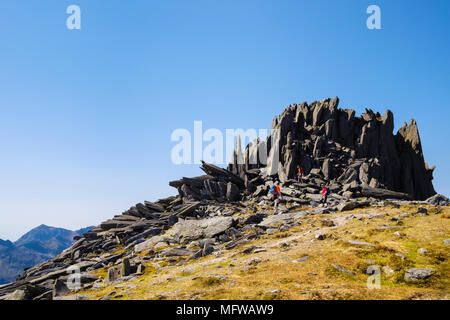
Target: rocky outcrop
(342, 148)
(358, 157)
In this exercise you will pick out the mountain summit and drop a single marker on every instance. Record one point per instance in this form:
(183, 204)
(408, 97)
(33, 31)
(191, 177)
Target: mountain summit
(344, 149)
(381, 202)
(39, 244)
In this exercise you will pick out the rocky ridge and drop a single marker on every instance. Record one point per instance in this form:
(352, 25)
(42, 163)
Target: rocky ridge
(358, 157)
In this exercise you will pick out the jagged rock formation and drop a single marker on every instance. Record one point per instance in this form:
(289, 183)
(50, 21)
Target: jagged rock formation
(347, 152)
(357, 156)
(342, 148)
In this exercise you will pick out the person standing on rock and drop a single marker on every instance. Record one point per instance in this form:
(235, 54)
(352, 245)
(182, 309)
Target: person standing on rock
(275, 192)
(300, 173)
(325, 192)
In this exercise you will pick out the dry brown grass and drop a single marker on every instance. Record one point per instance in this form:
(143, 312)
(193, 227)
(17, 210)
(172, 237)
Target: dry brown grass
(313, 278)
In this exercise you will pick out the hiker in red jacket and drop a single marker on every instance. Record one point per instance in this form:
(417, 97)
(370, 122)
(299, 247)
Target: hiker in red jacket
(325, 192)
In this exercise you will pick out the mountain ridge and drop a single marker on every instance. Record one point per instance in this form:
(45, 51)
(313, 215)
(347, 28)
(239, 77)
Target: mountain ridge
(35, 246)
(364, 164)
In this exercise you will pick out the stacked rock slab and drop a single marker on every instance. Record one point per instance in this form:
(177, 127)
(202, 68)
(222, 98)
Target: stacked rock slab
(218, 184)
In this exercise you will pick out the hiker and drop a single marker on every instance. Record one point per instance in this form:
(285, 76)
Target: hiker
(325, 192)
(275, 192)
(300, 173)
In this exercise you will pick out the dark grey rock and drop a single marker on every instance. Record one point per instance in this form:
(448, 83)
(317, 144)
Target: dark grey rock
(207, 249)
(327, 223)
(422, 210)
(249, 249)
(196, 255)
(27, 292)
(254, 219)
(140, 269)
(321, 235)
(360, 243)
(190, 230)
(176, 252)
(230, 245)
(302, 259)
(125, 267)
(48, 295)
(422, 251)
(232, 192)
(254, 261)
(347, 206)
(273, 221)
(382, 193)
(113, 275)
(172, 220)
(60, 288)
(438, 200)
(417, 274)
(342, 269)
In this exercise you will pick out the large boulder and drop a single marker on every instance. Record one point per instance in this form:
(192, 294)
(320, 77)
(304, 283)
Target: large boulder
(113, 275)
(347, 206)
(125, 267)
(418, 274)
(438, 200)
(150, 243)
(190, 230)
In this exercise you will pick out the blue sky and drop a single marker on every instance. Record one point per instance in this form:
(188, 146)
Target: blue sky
(86, 115)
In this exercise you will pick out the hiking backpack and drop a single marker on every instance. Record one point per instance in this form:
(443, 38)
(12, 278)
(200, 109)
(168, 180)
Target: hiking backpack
(272, 189)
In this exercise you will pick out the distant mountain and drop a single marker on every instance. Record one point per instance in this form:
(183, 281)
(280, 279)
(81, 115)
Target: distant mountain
(38, 245)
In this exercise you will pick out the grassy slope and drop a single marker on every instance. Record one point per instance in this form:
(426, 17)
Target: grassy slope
(313, 278)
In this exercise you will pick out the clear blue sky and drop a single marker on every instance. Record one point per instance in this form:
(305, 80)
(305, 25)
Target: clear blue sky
(86, 115)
